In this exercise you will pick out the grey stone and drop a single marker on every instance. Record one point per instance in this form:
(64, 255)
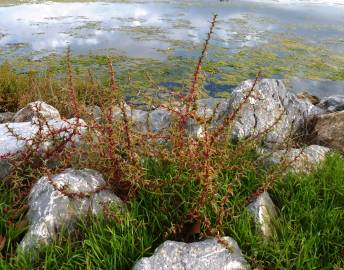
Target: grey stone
(264, 211)
(5, 168)
(11, 146)
(6, 117)
(139, 119)
(50, 210)
(35, 109)
(204, 255)
(269, 101)
(329, 130)
(208, 106)
(194, 129)
(154, 121)
(96, 112)
(159, 119)
(332, 103)
(206, 109)
(301, 160)
(117, 112)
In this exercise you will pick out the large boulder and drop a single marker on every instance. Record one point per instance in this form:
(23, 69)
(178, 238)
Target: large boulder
(204, 255)
(35, 110)
(6, 117)
(332, 103)
(50, 210)
(329, 130)
(264, 211)
(16, 137)
(300, 159)
(271, 109)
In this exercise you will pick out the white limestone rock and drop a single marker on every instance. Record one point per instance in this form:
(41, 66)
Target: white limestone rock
(34, 110)
(264, 211)
(300, 160)
(159, 120)
(16, 137)
(50, 210)
(332, 103)
(269, 101)
(204, 255)
(207, 107)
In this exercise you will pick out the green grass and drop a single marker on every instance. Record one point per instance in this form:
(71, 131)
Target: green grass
(308, 230)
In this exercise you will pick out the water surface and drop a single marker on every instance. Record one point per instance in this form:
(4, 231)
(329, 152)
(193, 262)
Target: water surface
(160, 30)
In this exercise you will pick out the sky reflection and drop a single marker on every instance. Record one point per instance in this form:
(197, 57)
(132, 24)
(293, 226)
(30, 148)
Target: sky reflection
(144, 29)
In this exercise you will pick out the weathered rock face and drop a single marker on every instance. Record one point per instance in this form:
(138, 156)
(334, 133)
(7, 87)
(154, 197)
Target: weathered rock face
(264, 211)
(206, 107)
(50, 210)
(6, 117)
(159, 119)
(11, 145)
(301, 160)
(329, 130)
(205, 255)
(139, 119)
(269, 101)
(332, 103)
(34, 110)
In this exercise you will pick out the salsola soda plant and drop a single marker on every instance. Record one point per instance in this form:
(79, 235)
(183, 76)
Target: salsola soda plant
(209, 163)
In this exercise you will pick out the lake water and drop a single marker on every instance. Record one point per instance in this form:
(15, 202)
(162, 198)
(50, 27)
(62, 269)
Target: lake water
(161, 29)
